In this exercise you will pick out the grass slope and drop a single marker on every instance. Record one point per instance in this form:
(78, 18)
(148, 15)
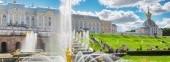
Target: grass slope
(132, 42)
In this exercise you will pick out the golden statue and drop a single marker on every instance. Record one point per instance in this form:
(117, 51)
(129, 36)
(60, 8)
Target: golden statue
(25, 32)
(16, 53)
(68, 55)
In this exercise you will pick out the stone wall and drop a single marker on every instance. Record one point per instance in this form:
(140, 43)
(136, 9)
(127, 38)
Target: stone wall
(14, 42)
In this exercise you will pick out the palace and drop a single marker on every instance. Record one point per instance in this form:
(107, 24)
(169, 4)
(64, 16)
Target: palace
(93, 24)
(149, 27)
(17, 19)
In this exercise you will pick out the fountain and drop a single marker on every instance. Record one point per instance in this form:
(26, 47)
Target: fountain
(59, 43)
(64, 44)
(42, 58)
(95, 57)
(29, 45)
(61, 31)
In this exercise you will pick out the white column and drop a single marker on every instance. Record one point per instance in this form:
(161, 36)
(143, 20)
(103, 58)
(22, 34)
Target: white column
(24, 19)
(37, 21)
(5, 19)
(83, 24)
(43, 22)
(8, 18)
(20, 20)
(0, 19)
(13, 18)
(30, 21)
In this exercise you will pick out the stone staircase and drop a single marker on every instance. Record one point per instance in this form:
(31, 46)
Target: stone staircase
(81, 46)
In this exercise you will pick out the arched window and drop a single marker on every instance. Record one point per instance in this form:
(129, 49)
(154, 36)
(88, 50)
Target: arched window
(41, 45)
(17, 45)
(4, 47)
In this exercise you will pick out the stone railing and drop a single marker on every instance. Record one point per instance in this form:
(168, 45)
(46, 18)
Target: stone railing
(22, 31)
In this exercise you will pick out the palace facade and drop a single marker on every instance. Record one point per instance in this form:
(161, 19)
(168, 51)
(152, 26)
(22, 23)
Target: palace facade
(17, 19)
(93, 24)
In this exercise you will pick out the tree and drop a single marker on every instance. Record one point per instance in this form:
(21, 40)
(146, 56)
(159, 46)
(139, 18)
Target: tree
(132, 31)
(166, 31)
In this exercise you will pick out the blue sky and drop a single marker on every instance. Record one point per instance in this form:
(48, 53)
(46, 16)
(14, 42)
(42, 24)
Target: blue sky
(129, 13)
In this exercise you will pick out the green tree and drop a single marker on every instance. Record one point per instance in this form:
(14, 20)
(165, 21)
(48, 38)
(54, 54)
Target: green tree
(166, 31)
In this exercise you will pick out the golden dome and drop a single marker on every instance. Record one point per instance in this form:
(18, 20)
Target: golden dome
(148, 14)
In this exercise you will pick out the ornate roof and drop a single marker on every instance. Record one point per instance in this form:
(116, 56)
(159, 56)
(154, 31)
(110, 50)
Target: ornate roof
(149, 23)
(10, 6)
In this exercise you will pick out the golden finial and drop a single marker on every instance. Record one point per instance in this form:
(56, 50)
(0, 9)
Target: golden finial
(148, 9)
(32, 5)
(14, 1)
(148, 14)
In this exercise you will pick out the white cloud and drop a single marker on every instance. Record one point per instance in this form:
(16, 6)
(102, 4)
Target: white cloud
(1, 2)
(65, 3)
(167, 6)
(84, 13)
(129, 26)
(118, 17)
(165, 23)
(105, 14)
(126, 3)
(155, 9)
(150, 1)
(118, 3)
(125, 20)
(155, 6)
(76, 2)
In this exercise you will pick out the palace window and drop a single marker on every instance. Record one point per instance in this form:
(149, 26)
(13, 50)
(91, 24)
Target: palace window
(27, 18)
(33, 21)
(22, 23)
(32, 18)
(49, 18)
(4, 16)
(49, 23)
(39, 23)
(16, 22)
(10, 22)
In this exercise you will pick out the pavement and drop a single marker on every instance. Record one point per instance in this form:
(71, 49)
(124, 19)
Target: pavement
(6, 55)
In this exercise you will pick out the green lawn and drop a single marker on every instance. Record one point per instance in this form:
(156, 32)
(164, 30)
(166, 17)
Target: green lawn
(147, 58)
(133, 42)
(95, 46)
